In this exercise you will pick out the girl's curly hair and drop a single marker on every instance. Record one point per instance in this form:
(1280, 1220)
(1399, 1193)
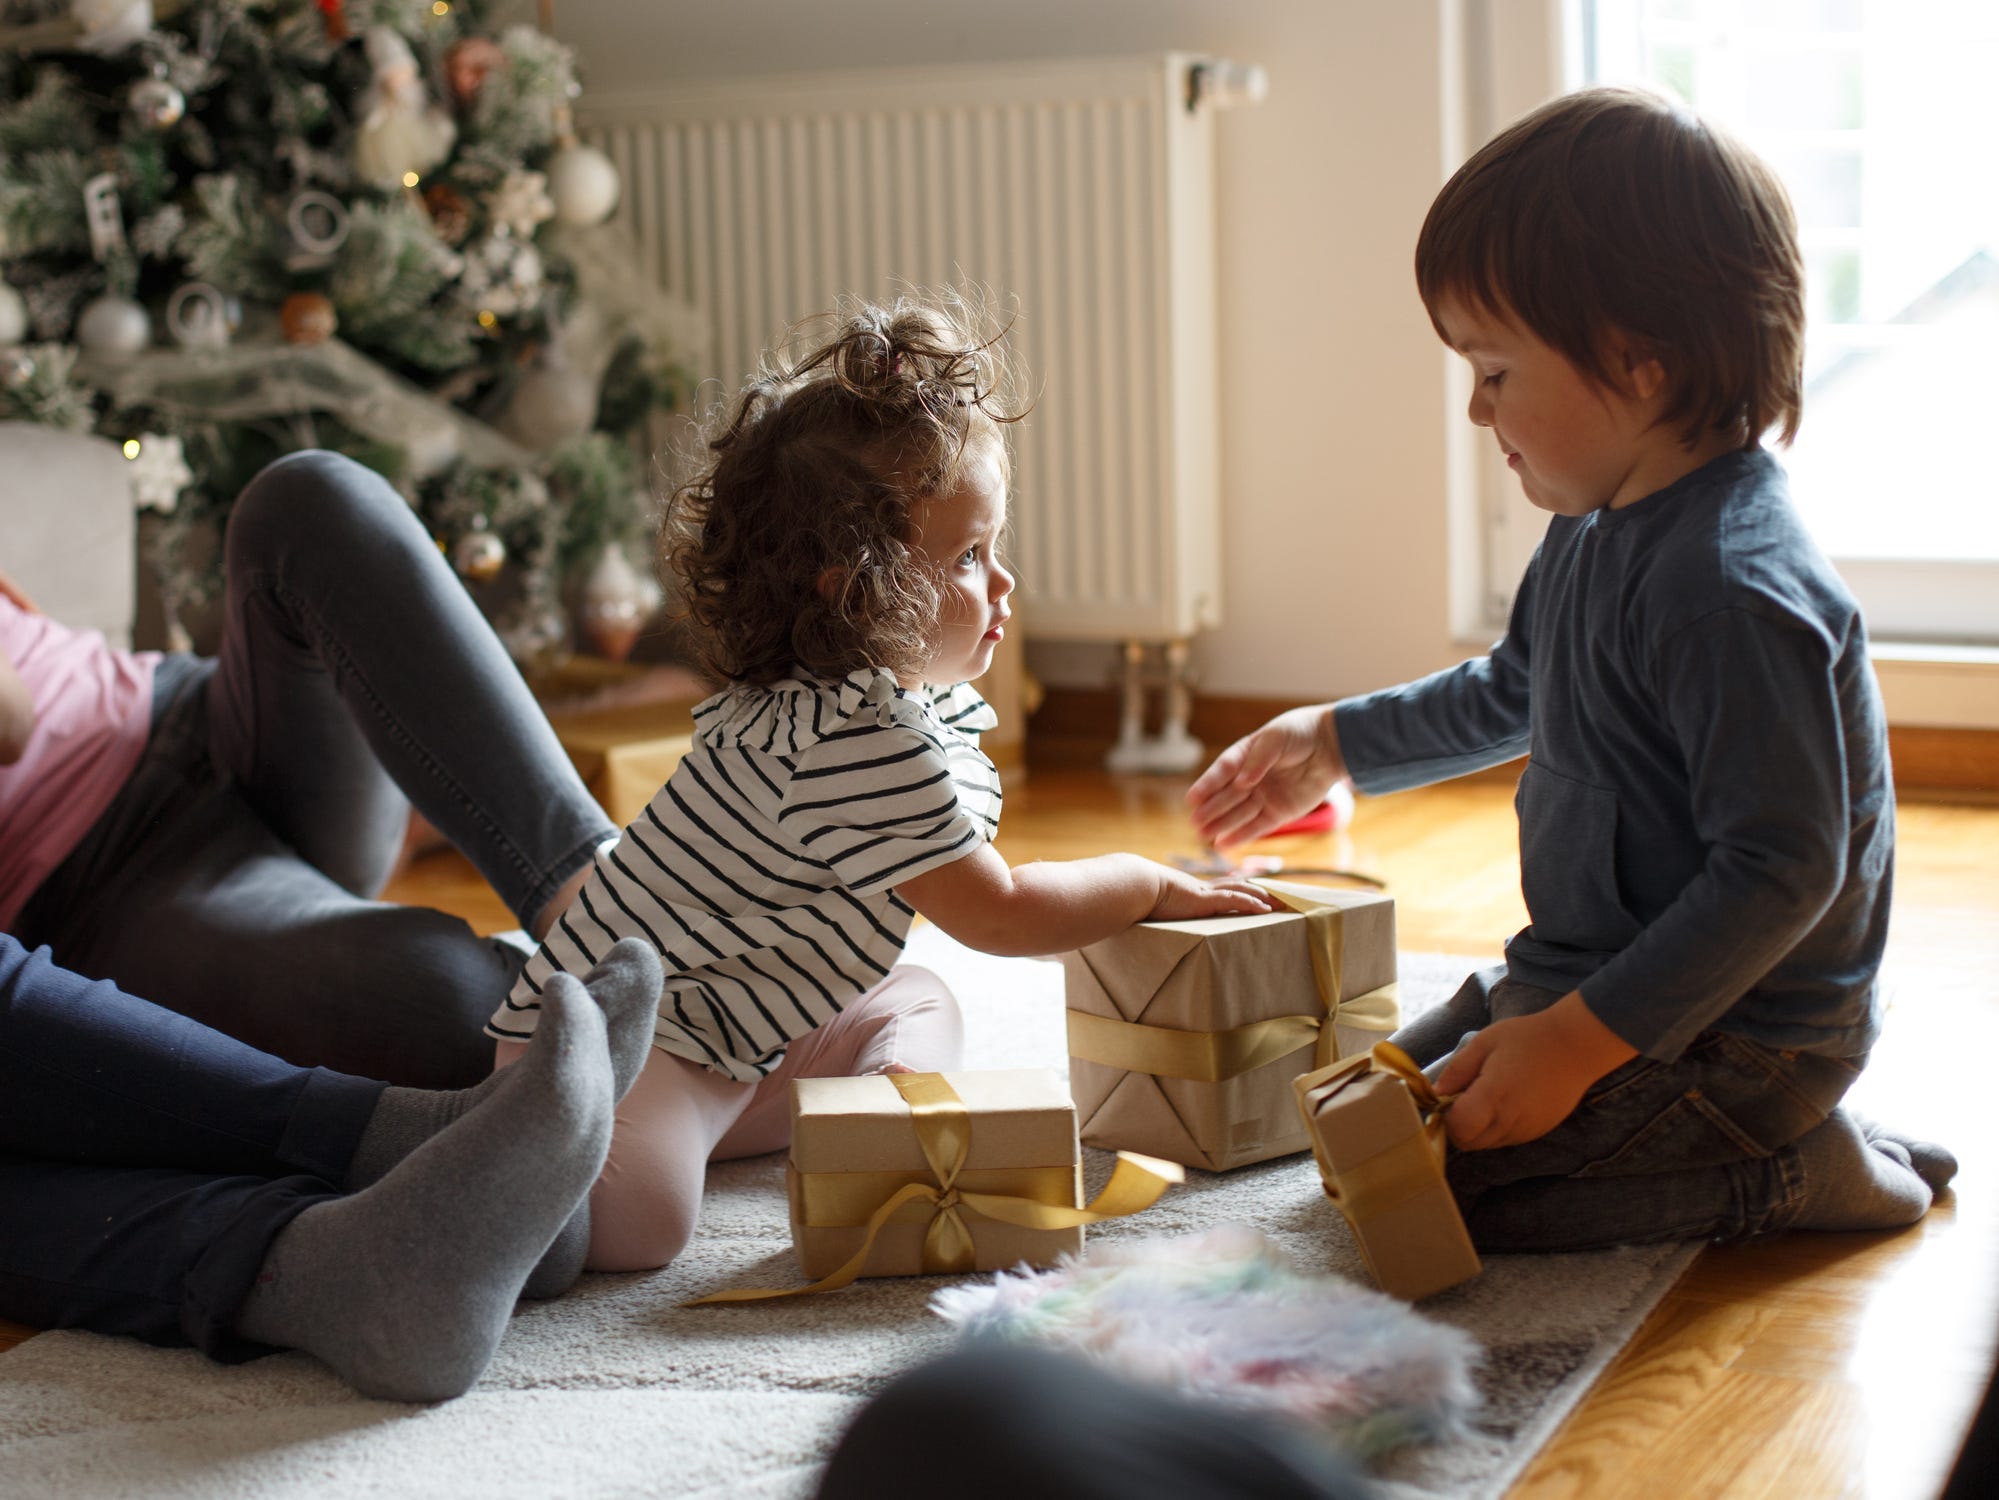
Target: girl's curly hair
(793, 544)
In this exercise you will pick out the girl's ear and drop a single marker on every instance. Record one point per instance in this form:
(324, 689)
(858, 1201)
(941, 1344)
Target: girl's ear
(830, 583)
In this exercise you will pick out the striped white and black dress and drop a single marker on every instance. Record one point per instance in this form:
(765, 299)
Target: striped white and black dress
(764, 871)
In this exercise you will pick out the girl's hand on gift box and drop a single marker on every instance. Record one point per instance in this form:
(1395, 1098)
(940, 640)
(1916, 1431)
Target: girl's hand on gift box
(1184, 897)
(1267, 778)
(1518, 1079)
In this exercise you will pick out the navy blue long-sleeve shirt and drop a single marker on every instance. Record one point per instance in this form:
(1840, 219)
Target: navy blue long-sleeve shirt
(1706, 820)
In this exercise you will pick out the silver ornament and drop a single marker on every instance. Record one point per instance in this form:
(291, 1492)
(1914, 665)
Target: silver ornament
(479, 555)
(156, 104)
(112, 324)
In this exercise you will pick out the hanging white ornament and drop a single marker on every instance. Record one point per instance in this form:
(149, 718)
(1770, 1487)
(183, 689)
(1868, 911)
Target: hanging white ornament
(158, 471)
(13, 316)
(156, 104)
(110, 26)
(552, 402)
(520, 203)
(402, 134)
(583, 183)
(103, 215)
(200, 317)
(479, 555)
(617, 602)
(112, 324)
(319, 225)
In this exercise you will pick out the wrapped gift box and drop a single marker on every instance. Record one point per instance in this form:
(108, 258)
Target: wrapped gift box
(855, 1143)
(1184, 1036)
(1377, 1131)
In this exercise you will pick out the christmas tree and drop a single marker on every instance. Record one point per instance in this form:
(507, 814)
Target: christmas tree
(234, 228)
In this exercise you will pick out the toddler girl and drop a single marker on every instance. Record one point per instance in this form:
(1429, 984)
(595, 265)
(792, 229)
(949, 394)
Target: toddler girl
(838, 559)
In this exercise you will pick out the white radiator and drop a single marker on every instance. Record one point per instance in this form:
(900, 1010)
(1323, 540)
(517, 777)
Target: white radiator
(1083, 189)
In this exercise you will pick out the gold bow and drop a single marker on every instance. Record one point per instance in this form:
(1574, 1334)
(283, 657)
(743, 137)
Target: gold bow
(1212, 1056)
(944, 1130)
(1387, 1178)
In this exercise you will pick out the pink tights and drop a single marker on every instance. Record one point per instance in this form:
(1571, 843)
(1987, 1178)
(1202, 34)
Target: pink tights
(679, 1116)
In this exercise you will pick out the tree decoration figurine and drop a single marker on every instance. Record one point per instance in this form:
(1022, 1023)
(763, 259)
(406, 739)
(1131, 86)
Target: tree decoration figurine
(402, 134)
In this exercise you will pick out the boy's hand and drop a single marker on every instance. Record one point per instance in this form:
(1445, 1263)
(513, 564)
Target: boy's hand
(1267, 778)
(1183, 897)
(1518, 1079)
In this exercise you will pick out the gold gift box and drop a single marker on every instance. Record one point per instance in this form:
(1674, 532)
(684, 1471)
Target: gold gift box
(854, 1145)
(1184, 1036)
(1377, 1131)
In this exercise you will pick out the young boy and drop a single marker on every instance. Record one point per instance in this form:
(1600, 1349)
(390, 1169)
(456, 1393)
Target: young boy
(1706, 820)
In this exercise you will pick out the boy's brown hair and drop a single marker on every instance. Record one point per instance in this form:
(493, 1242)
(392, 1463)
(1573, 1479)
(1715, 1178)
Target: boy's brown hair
(1613, 209)
(792, 546)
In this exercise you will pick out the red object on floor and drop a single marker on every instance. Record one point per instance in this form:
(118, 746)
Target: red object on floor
(1322, 819)
(1328, 817)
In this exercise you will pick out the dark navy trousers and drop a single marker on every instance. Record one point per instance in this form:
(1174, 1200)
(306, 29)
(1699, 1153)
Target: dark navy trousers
(148, 1161)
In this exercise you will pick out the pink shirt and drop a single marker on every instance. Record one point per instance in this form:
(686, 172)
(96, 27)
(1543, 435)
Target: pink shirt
(93, 710)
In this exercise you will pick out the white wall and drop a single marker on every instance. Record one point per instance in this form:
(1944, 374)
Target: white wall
(1334, 387)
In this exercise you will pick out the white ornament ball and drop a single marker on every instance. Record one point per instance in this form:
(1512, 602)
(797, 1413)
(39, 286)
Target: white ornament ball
(156, 104)
(112, 324)
(13, 316)
(583, 184)
(479, 556)
(551, 404)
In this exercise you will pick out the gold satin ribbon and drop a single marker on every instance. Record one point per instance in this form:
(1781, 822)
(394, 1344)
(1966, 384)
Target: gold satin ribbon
(944, 1131)
(1213, 1056)
(1389, 1177)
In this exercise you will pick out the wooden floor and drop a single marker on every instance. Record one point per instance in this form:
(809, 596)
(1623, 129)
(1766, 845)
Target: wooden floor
(1812, 1365)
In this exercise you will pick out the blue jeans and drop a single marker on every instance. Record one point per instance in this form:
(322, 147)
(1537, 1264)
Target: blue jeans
(233, 877)
(147, 1162)
(1697, 1148)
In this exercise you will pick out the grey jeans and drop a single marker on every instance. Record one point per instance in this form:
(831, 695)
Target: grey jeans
(233, 878)
(1697, 1148)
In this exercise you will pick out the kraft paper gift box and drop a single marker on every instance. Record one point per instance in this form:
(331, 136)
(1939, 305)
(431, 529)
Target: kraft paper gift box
(983, 1171)
(1377, 1131)
(1184, 1036)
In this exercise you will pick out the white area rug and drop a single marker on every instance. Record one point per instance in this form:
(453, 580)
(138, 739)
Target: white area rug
(617, 1391)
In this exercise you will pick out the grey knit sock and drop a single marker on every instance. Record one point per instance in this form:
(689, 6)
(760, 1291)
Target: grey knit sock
(1929, 1161)
(405, 1287)
(1852, 1184)
(626, 987)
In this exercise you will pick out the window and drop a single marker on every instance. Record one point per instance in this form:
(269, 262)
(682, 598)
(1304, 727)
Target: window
(1880, 117)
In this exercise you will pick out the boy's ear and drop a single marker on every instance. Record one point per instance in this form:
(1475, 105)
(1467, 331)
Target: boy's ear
(1644, 373)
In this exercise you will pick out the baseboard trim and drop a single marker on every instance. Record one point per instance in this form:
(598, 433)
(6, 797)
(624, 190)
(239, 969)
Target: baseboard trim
(1075, 727)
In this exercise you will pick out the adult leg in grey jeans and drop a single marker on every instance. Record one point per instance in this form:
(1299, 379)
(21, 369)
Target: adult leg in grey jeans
(234, 877)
